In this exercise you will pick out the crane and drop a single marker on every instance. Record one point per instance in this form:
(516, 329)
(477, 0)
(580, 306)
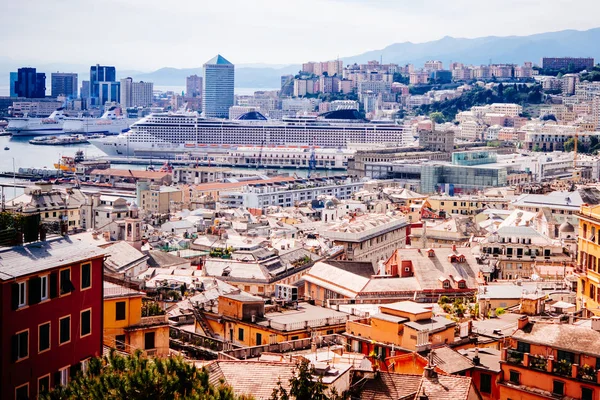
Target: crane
(262, 144)
(312, 161)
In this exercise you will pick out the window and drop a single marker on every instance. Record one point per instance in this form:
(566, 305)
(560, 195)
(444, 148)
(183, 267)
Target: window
(21, 290)
(523, 347)
(240, 334)
(66, 286)
(22, 392)
(43, 337)
(566, 356)
(86, 276)
(258, 339)
(44, 287)
(43, 384)
(120, 342)
(587, 393)
(64, 376)
(558, 387)
(446, 284)
(149, 340)
(84, 366)
(120, 310)
(515, 377)
(20, 345)
(485, 383)
(86, 322)
(65, 330)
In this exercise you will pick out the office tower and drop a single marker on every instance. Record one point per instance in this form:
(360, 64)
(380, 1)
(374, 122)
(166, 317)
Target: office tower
(193, 86)
(85, 89)
(64, 83)
(98, 74)
(136, 94)
(30, 83)
(217, 91)
(14, 76)
(108, 92)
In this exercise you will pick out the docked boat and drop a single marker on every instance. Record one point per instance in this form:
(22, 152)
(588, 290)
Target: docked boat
(31, 126)
(109, 123)
(66, 164)
(167, 134)
(61, 140)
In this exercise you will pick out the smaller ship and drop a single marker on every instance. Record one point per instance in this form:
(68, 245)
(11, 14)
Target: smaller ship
(30, 126)
(66, 164)
(61, 140)
(109, 123)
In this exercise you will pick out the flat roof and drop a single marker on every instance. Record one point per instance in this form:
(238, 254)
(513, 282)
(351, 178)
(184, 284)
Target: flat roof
(18, 261)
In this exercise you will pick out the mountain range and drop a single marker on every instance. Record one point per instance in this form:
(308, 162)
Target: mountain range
(495, 49)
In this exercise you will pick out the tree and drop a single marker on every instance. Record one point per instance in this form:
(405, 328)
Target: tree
(135, 378)
(570, 145)
(304, 387)
(437, 117)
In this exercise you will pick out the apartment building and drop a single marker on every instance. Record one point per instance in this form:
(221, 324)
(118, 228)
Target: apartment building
(51, 314)
(130, 324)
(545, 360)
(588, 260)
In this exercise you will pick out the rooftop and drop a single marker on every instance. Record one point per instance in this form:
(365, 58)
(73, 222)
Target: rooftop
(18, 261)
(218, 60)
(567, 337)
(112, 290)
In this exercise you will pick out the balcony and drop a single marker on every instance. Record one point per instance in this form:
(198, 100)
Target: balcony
(514, 357)
(146, 322)
(562, 368)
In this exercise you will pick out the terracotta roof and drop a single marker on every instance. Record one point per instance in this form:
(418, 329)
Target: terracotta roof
(447, 387)
(254, 378)
(391, 386)
(450, 361)
(128, 173)
(561, 336)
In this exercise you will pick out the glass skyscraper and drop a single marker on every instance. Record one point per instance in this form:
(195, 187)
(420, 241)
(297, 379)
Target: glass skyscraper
(99, 74)
(217, 90)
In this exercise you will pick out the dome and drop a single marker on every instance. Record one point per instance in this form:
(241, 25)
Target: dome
(252, 116)
(566, 227)
(342, 114)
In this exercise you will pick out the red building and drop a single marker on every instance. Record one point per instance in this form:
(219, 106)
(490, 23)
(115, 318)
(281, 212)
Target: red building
(50, 314)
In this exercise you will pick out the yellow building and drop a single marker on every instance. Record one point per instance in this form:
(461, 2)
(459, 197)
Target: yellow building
(466, 205)
(404, 326)
(158, 199)
(588, 260)
(244, 320)
(125, 326)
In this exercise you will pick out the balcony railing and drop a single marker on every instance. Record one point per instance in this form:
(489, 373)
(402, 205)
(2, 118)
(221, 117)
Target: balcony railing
(514, 357)
(562, 368)
(538, 362)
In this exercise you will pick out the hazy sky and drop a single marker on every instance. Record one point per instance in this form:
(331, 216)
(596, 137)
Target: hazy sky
(148, 34)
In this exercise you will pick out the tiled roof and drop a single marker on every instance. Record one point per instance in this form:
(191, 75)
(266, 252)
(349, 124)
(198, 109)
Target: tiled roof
(250, 377)
(446, 387)
(567, 337)
(112, 290)
(450, 361)
(35, 257)
(123, 256)
(129, 173)
(391, 386)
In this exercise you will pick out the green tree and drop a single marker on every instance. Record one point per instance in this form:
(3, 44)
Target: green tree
(437, 117)
(303, 386)
(570, 145)
(135, 377)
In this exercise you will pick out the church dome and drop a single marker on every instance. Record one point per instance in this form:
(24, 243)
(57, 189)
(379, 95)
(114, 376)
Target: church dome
(566, 227)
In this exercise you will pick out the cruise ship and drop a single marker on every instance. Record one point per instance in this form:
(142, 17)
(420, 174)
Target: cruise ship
(30, 126)
(109, 123)
(167, 134)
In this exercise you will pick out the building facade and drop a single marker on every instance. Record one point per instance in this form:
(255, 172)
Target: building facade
(193, 86)
(217, 92)
(30, 83)
(64, 83)
(136, 94)
(51, 314)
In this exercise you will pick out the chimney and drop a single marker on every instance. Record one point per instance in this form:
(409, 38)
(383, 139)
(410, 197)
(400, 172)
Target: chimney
(476, 359)
(596, 324)
(522, 322)
(453, 247)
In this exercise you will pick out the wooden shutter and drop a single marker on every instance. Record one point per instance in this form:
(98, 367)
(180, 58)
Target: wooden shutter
(35, 290)
(15, 296)
(14, 348)
(53, 285)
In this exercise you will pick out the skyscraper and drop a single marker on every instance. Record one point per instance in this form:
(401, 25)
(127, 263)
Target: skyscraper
(85, 89)
(30, 83)
(217, 91)
(136, 94)
(14, 76)
(64, 83)
(193, 86)
(98, 74)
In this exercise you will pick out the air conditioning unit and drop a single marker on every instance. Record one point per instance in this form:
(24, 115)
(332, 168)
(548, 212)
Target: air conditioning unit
(287, 293)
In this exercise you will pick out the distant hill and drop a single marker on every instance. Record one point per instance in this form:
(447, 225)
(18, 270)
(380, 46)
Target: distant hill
(508, 49)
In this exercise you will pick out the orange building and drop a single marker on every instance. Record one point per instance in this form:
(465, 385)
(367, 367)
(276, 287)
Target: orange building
(546, 360)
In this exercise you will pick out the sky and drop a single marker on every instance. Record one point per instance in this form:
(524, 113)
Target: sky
(149, 34)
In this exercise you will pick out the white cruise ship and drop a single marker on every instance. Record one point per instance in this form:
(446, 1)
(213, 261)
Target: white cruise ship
(166, 134)
(109, 123)
(30, 126)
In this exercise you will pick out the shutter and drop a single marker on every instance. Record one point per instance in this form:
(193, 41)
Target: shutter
(14, 348)
(15, 296)
(75, 370)
(35, 290)
(70, 287)
(57, 378)
(53, 285)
